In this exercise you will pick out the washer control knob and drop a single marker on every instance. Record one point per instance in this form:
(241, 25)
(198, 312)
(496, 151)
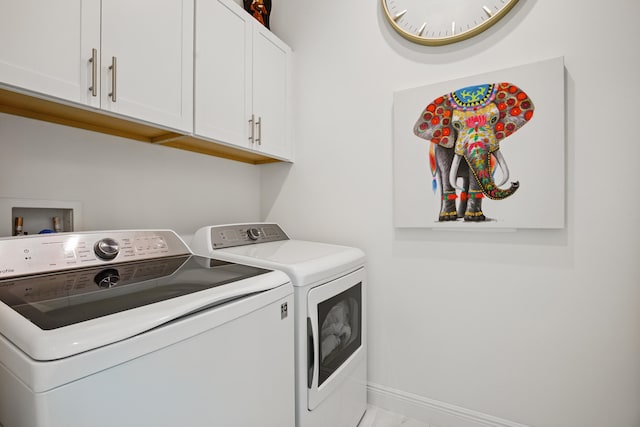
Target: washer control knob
(254, 233)
(106, 249)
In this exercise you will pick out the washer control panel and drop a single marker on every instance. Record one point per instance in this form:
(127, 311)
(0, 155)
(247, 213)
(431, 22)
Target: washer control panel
(63, 251)
(226, 236)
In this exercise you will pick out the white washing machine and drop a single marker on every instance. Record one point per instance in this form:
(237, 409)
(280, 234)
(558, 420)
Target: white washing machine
(127, 328)
(330, 314)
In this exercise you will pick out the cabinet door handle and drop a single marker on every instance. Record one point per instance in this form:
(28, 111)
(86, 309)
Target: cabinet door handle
(252, 128)
(259, 125)
(94, 72)
(114, 70)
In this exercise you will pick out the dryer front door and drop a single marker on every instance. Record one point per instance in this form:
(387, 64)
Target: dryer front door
(336, 336)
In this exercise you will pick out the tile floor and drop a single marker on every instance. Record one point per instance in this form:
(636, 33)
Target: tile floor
(376, 417)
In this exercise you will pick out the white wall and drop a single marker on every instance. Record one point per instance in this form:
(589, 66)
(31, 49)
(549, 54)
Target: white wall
(123, 183)
(540, 328)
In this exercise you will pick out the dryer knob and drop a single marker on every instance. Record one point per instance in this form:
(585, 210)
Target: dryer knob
(254, 233)
(106, 249)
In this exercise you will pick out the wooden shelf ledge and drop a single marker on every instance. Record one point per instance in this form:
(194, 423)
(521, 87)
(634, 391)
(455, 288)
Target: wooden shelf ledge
(24, 105)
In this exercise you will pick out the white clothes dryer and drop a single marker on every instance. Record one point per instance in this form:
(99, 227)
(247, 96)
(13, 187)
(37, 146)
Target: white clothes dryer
(330, 314)
(129, 329)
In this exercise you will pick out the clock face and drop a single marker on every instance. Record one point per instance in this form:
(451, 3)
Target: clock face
(438, 22)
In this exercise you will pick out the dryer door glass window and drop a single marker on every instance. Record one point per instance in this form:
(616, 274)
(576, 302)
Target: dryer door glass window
(340, 322)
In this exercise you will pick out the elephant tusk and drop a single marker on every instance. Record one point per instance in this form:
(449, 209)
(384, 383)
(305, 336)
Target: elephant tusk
(453, 173)
(503, 167)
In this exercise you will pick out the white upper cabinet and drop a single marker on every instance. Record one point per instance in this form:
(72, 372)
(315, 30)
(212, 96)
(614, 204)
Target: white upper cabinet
(271, 93)
(242, 81)
(127, 68)
(46, 46)
(68, 48)
(147, 60)
(222, 72)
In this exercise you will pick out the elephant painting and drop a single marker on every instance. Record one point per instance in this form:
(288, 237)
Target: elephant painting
(470, 123)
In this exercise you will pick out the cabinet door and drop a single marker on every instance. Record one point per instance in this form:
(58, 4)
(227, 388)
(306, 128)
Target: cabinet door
(271, 93)
(45, 46)
(151, 44)
(223, 72)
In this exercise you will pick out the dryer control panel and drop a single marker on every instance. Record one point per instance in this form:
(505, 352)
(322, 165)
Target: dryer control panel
(226, 236)
(44, 253)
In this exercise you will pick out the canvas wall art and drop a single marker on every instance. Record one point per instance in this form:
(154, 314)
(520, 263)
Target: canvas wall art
(482, 152)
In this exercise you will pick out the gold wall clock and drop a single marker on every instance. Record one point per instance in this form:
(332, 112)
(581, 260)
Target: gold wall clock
(439, 22)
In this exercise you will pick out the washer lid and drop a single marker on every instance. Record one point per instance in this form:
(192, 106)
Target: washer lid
(51, 316)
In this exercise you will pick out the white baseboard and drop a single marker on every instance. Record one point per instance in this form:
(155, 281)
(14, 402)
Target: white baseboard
(431, 412)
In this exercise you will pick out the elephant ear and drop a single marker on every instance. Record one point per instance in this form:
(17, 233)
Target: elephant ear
(516, 109)
(434, 124)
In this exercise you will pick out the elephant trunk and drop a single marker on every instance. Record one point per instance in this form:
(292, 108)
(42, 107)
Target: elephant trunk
(479, 163)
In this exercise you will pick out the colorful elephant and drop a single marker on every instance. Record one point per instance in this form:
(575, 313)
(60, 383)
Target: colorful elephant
(470, 123)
